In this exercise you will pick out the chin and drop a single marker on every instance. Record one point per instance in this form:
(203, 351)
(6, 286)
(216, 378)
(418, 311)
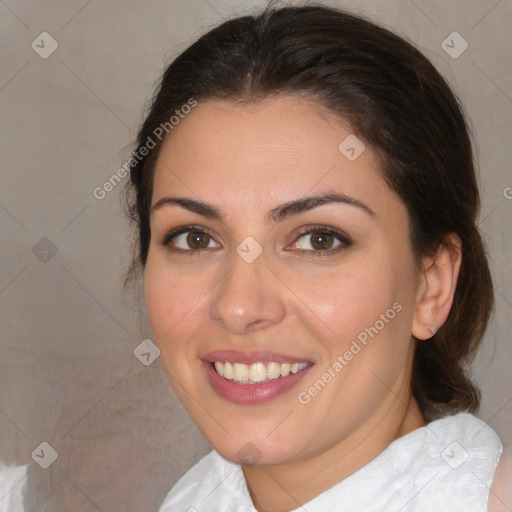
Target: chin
(256, 452)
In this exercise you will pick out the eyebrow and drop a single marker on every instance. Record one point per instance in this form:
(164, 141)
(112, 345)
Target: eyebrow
(277, 214)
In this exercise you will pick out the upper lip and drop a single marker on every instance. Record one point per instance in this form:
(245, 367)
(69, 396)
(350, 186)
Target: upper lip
(250, 357)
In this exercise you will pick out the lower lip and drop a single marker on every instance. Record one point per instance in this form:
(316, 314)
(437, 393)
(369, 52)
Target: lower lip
(252, 393)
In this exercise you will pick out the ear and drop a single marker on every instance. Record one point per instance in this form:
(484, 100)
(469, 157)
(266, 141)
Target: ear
(437, 288)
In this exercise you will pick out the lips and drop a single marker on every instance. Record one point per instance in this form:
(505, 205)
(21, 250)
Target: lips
(253, 377)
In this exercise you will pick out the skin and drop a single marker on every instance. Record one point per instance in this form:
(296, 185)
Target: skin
(246, 160)
(500, 495)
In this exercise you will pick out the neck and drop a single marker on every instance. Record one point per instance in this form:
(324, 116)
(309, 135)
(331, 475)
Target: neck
(285, 487)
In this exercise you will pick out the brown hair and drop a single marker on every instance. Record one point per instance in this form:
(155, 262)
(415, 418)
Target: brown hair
(396, 102)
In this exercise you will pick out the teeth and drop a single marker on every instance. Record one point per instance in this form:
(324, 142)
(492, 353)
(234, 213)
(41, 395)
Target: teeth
(240, 372)
(256, 372)
(273, 370)
(294, 368)
(220, 368)
(228, 371)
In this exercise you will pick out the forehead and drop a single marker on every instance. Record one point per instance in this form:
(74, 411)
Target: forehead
(242, 157)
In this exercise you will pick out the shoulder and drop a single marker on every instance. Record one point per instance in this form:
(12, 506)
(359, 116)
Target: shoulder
(470, 451)
(212, 477)
(449, 460)
(470, 433)
(500, 495)
(468, 443)
(465, 426)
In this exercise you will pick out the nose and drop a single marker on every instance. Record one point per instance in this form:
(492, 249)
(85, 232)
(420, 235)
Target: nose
(248, 298)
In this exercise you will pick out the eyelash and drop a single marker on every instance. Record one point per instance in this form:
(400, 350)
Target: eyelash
(325, 230)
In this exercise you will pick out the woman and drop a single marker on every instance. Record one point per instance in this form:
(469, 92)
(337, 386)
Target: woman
(305, 199)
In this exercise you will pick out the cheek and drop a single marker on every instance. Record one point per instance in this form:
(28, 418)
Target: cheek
(173, 301)
(367, 312)
(372, 315)
(345, 302)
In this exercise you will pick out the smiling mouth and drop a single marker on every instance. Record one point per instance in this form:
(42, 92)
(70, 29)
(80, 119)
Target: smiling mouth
(257, 373)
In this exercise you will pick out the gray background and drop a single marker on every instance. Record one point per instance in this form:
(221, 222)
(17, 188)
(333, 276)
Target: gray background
(68, 375)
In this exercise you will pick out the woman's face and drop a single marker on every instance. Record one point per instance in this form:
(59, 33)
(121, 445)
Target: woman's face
(305, 305)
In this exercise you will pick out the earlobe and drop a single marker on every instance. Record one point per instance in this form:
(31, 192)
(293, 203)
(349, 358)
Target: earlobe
(432, 330)
(437, 288)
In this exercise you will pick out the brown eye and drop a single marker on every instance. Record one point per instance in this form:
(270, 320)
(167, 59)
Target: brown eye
(318, 241)
(198, 240)
(321, 241)
(188, 239)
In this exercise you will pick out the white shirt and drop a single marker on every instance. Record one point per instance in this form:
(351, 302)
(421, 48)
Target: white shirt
(447, 465)
(13, 486)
